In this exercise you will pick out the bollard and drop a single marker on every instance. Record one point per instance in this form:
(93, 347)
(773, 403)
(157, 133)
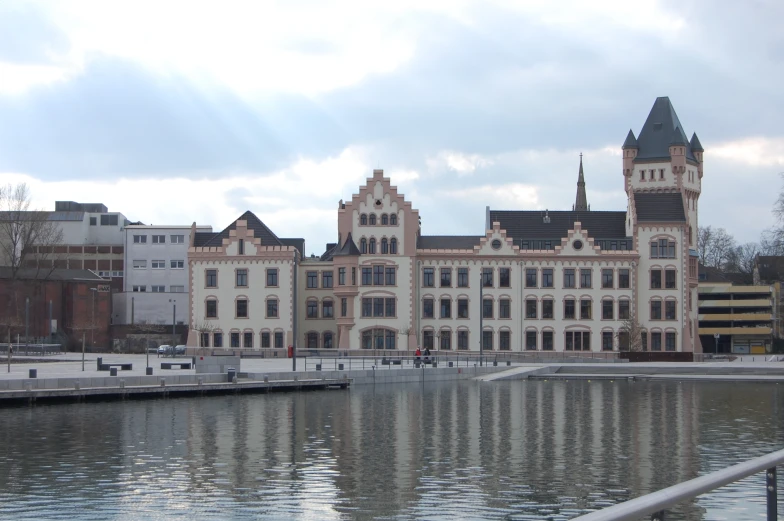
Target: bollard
(340, 367)
(435, 364)
(508, 363)
(451, 364)
(112, 371)
(33, 373)
(318, 367)
(495, 363)
(231, 374)
(149, 371)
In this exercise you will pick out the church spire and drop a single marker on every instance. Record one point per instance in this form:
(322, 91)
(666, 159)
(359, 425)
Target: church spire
(581, 204)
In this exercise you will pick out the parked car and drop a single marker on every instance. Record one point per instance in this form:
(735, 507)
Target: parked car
(179, 350)
(164, 349)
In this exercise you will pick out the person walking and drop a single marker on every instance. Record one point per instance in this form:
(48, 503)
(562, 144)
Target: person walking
(418, 354)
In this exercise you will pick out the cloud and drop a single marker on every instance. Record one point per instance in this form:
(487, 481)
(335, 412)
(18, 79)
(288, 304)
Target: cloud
(463, 164)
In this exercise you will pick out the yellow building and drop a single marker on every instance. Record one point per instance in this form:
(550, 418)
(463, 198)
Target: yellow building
(736, 319)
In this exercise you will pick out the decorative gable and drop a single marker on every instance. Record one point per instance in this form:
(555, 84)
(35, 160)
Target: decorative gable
(250, 243)
(495, 242)
(578, 244)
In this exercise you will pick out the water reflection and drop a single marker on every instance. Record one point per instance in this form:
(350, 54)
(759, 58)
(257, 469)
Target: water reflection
(508, 450)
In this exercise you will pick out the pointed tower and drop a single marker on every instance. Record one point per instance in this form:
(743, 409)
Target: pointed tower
(581, 203)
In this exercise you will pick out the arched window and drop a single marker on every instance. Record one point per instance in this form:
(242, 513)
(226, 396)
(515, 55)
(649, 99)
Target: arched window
(372, 248)
(372, 219)
(384, 219)
(393, 246)
(363, 245)
(393, 219)
(311, 340)
(384, 246)
(328, 340)
(363, 219)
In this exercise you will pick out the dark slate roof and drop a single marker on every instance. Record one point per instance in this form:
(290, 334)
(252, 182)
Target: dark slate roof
(447, 242)
(201, 238)
(696, 146)
(56, 274)
(329, 251)
(348, 248)
(659, 207)
(658, 131)
(260, 231)
(299, 244)
(631, 141)
(531, 225)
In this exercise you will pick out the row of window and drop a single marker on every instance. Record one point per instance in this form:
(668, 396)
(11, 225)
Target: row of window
(106, 220)
(159, 264)
(385, 247)
(312, 340)
(312, 309)
(245, 339)
(240, 308)
(534, 277)
(312, 278)
(384, 220)
(158, 289)
(379, 307)
(241, 279)
(158, 239)
(652, 174)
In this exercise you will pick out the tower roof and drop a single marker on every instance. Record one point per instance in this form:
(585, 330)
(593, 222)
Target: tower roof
(658, 132)
(695, 144)
(678, 137)
(581, 203)
(631, 141)
(348, 248)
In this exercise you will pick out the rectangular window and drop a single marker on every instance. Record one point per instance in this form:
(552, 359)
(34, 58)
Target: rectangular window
(279, 339)
(311, 309)
(390, 304)
(378, 307)
(462, 277)
(159, 239)
(341, 276)
(367, 307)
(212, 309)
(446, 277)
(205, 340)
(391, 277)
(569, 308)
(427, 308)
(326, 279)
(242, 308)
(343, 307)
(312, 279)
(568, 278)
(353, 276)
(140, 264)
(656, 282)
(446, 308)
(656, 341)
(487, 277)
(607, 309)
(623, 310)
(669, 310)
(242, 278)
(656, 312)
(547, 308)
(140, 239)
(607, 279)
(177, 239)
(177, 289)
(462, 308)
(272, 277)
(428, 277)
(367, 276)
(504, 341)
(530, 340)
(669, 339)
(586, 309)
(530, 308)
(265, 340)
(547, 277)
(109, 220)
(211, 278)
(623, 278)
(462, 340)
(504, 277)
(487, 308)
(378, 275)
(158, 289)
(487, 340)
(247, 339)
(93, 221)
(140, 289)
(504, 308)
(669, 279)
(217, 339)
(427, 339)
(585, 278)
(531, 278)
(607, 341)
(272, 308)
(241, 247)
(547, 340)
(177, 264)
(158, 264)
(445, 338)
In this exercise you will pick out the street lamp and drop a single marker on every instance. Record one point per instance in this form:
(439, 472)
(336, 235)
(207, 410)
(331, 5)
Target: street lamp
(92, 324)
(716, 337)
(174, 315)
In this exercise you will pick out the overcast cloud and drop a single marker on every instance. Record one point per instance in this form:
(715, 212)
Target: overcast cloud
(181, 111)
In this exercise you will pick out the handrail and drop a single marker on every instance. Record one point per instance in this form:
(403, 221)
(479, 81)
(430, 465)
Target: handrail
(661, 500)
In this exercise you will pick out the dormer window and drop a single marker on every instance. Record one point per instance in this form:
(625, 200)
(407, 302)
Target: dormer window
(372, 219)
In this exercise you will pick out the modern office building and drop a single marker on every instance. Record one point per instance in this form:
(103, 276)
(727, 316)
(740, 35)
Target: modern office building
(736, 318)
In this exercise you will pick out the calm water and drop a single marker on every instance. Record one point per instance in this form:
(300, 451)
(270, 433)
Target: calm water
(508, 450)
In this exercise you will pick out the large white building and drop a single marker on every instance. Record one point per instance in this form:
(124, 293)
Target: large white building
(536, 280)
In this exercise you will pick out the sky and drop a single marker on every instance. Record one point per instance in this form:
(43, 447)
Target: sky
(181, 111)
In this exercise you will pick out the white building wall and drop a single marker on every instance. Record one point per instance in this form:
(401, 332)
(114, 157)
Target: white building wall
(320, 294)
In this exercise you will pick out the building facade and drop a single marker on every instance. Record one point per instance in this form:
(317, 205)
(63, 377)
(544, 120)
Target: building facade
(573, 280)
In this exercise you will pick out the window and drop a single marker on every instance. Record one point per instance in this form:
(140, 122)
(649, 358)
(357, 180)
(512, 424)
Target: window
(462, 308)
(656, 311)
(607, 341)
(656, 341)
(487, 340)
(372, 219)
(278, 339)
(428, 279)
(669, 341)
(607, 309)
(669, 279)
(241, 308)
(158, 265)
(569, 308)
(391, 276)
(547, 278)
(656, 282)
(367, 307)
(177, 239)
(341, 276)
(445, 338)
(312, 279)
(446, 277)
(158, 289)
(487, 277)
(644, 340)
(247, 339)
(241, 247)
(343, 307)
(393, 246)
(607, 279)
(140, 264)
(568, 278)
(140, 289)
(393, 219)
(378, 275)
(427, 339)
(547, 308)
(462, 277)
(661, 173)
(624, 312)
(109, 220)
(669, 310)
(504, 277)
(140, 239)
(530, 308)
(265, 340)
(272, 277)
(427, 308)
(177, 264)
(326, 279)
(384, 219)
(177, 289)
(272, 308)
(378, 307)
(487, 308)
(504, 340)
(93, 221)
(585, 309)
(390, 304)
(312, 309)
(211, 278)
(547, 340)
(446, 308)
(530, 340)
(363, 220)
(211, 309)
(531, 278)
(328, 340)
(204, 340)
(363, 245)
(663, 249)
(384, 245)
(353, 276)
(311, 340)
(217, 339)
(462, 340)
(367, 276)
(241, 276)
(623, 278)
(578, 341)
(159, 239)
(504, 308)
(642, 175)
(372, 246)
(585, 278)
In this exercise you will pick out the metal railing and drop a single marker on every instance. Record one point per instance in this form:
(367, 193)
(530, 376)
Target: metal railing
(657, 502)
(23, 349)
(394, 360)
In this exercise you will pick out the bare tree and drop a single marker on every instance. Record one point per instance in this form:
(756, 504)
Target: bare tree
(27, 237)
(407, 332)
(715, 247)
(704, 238)
(742, 258)
(147, 329)
(629, 335)
(204, 327)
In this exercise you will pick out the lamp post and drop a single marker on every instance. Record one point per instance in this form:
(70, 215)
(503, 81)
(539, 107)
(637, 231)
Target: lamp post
(716, 337)
(174, 318)
(92, 325)
(481, 317)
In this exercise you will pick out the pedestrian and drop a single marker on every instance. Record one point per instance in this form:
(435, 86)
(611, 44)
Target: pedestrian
(427, 354)
(418, 354)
